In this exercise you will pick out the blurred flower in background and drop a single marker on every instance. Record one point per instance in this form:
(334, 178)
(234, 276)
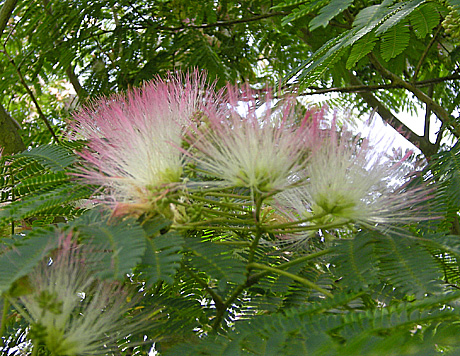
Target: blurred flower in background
(73, 313)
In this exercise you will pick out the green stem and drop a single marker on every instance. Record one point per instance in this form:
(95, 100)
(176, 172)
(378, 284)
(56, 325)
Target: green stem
(309, 228)
(252, 250)
(296, 222)
(20, 309)
(6, 308)
(214, 202)
(215, 297)
(228, 195)
(305, 258)
(35, 350)
(233, 243)
(292, 276)
(217, 228)
(253, 279)
(258, 276)
(213, 212)
(221, 221)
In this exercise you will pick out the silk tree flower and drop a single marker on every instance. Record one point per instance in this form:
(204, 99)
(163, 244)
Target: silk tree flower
(347, 181)
(135, 140)
(71, 312)
(256, 148)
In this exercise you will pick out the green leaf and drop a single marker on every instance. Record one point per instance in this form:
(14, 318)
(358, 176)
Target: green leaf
(162, 257)
(328, 12)
(454, 3)
(408, 265)
(216, 261)
(370, 16)
(317, 69)
(424, 19)
(30, 185)
(41, 204)
(20, 260)
(117, 246)
(395, 41)
(361, 48)
(356, 262)
(53, 157)
(399, 12)
(302, 11)
(287, 3)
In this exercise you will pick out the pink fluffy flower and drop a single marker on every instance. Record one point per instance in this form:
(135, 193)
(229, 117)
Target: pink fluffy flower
(258, 148)
(134, 140)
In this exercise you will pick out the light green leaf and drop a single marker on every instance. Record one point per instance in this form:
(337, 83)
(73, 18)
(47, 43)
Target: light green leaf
(302, 11)
(162, 257)
(454, 3)
(117, 246)
(53, 157)
(424, 19)
(328, 12)
(217, 262)
(20, 260)
(400, 12)
(361, 48)
(395, 41)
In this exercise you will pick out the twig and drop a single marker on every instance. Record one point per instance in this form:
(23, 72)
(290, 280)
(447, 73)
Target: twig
(292, 276)
(6, 308)
(369, 88)
(32, 96)
(425, 53)
(5, 13)
(224, 23)
(440, 112)
(215, 297)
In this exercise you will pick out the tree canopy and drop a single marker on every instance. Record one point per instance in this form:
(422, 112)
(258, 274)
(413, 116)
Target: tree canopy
(231, 217)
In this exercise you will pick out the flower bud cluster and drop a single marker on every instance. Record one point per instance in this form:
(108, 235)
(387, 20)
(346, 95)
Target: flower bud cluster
(451, 23)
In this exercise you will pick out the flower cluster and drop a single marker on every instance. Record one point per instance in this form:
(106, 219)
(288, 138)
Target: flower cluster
(140, 145)
(71, 312)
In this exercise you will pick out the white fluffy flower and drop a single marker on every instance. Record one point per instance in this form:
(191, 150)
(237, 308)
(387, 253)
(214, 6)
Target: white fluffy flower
(346, 181)
(252, 148)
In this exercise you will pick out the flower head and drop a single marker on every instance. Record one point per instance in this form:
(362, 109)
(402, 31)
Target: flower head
(347, 181)
(135, 140)
(257, 148)
(72, 312)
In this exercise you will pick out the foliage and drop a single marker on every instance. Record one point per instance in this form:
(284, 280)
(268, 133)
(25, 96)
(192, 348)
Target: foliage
(205, 266)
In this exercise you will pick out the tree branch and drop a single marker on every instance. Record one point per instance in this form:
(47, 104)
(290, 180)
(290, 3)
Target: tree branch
(10, 140)
(32, 96)
(425, 53)
(421, 142)
(224, 23)
(81, 92)
(426, 128)
(5, 13)
(369, 88)
(442, 114)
